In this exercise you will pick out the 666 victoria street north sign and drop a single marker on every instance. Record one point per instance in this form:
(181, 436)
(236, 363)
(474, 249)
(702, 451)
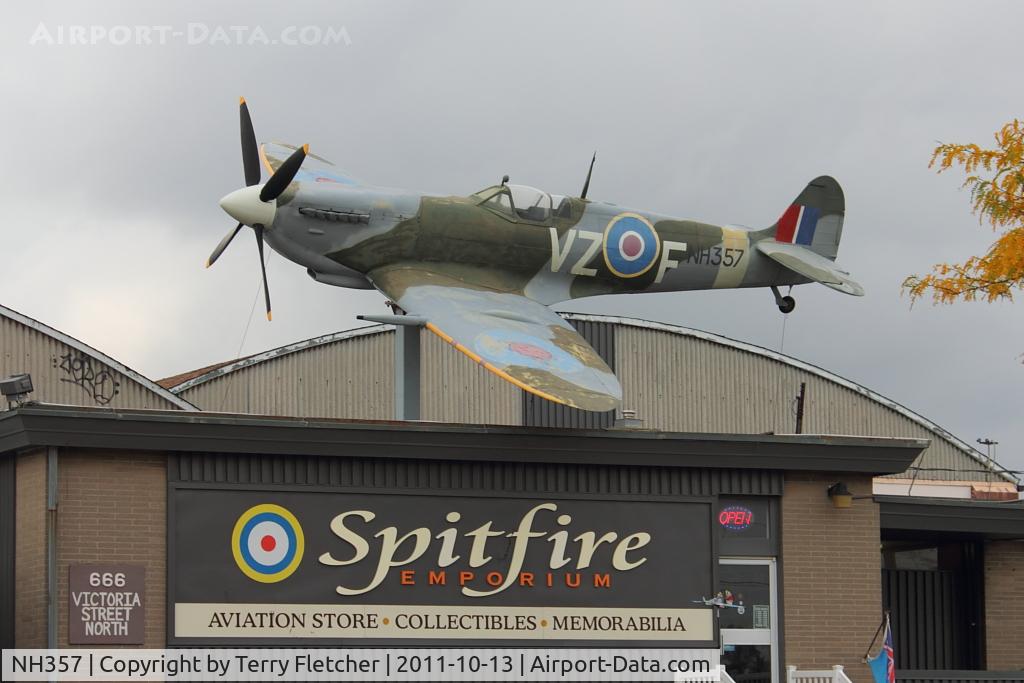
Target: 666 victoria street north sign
(251, 566)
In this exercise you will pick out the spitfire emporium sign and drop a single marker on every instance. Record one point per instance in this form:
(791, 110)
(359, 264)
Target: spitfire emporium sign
(261, 566)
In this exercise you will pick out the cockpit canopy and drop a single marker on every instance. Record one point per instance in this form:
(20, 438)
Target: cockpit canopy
(522, 202)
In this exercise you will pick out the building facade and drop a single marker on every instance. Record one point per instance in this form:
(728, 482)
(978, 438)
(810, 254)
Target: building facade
(765, 534)
(109, 472)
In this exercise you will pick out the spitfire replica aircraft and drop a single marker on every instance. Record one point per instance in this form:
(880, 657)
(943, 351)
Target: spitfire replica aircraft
(480, 271)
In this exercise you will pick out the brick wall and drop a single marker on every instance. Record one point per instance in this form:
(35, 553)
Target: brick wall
(831, 574)
(1004, 595)
(30, 551)
(113, 509)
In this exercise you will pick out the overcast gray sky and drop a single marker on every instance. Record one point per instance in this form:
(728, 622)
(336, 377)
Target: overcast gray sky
(115, 156)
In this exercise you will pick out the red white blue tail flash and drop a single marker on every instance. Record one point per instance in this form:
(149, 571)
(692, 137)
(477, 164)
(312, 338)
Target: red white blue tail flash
(797, 224)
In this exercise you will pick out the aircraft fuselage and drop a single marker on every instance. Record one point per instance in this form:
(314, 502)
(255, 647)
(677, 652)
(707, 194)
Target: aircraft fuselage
(581, 248)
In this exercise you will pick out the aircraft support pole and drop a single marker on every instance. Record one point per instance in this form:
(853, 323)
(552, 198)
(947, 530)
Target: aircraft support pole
(407, 372)
(407, 362)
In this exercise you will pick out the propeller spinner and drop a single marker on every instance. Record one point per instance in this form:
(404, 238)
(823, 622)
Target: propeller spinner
(255, 205)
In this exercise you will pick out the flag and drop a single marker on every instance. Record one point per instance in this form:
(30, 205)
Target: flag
(883, 665)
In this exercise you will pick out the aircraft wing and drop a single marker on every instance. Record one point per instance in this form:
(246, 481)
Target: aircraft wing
(811, 265)
(520, 340)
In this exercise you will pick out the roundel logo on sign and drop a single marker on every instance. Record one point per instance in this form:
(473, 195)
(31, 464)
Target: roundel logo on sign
(631, 245)
(267, 543)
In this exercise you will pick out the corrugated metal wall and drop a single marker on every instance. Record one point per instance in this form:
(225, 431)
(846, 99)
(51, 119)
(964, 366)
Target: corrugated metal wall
(674, 381)
(937, 615)
(686, 384)
(478, 476)
(354, 378)
(455, 389)
(62, 374)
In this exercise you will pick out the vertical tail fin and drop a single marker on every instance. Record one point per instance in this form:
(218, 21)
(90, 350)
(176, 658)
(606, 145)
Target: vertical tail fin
(815, 218)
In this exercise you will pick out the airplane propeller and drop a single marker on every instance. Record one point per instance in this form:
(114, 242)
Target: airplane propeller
(284, 175)
(249, 207)
(250, 151)
(223, 245)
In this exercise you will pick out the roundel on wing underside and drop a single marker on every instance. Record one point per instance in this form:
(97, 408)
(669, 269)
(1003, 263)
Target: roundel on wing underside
(631, 245)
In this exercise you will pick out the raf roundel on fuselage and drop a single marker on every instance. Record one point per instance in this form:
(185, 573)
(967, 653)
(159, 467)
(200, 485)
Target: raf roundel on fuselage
(631, 245)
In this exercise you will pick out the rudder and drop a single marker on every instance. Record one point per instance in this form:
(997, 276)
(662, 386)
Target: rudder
(815, 218)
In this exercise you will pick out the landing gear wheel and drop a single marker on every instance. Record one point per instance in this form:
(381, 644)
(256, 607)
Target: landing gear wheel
(787, 304)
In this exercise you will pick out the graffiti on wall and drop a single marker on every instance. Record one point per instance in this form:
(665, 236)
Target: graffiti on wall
(85, 372)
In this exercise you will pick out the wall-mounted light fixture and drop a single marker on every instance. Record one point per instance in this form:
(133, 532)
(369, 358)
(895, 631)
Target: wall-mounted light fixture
(15, 388)
(840, 495)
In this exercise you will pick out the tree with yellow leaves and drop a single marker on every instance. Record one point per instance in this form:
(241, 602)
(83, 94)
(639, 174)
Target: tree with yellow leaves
(996, 179)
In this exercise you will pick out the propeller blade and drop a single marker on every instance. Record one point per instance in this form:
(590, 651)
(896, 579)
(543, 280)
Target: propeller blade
(222, 246)
(586, 185)
(250, 152)
(263, 266)
(284, 175)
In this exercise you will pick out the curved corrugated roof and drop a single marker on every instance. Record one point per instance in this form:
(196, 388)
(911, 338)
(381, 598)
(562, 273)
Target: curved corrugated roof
(198, 377)
(103, 358)
(801, 365)
(188, 380)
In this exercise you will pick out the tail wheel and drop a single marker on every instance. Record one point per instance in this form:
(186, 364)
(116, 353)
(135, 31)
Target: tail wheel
(787, 304)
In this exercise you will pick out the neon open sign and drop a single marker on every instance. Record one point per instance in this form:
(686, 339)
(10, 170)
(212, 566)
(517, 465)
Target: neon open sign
(735, 517)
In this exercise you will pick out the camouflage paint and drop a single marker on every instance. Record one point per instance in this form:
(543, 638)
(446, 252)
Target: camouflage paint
(482, 275)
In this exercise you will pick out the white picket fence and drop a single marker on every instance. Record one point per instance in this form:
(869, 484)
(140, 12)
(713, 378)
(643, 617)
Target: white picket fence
(720, 676)
(793, 675)
(833, 675)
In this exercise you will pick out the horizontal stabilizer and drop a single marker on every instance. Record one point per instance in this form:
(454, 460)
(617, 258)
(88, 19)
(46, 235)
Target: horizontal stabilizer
(811, 265)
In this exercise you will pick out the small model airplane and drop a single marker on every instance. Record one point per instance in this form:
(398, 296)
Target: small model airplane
(480, 271)
(723, 600)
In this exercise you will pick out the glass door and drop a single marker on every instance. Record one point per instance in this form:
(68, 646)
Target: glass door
(748, 618)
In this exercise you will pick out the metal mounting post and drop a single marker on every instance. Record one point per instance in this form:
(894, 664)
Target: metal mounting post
(407, 362)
